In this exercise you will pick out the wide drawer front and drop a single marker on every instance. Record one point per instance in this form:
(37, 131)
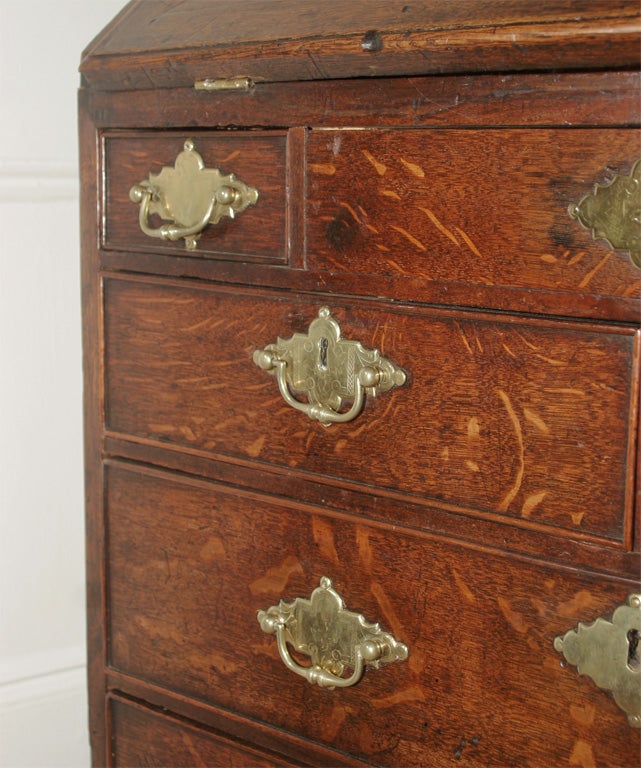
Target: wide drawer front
(190, 563)
(144, 737)
(528, 420)
(475, 209)
(257, 230)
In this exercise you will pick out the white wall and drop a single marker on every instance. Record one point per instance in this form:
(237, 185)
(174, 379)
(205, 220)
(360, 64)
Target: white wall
(43, 721)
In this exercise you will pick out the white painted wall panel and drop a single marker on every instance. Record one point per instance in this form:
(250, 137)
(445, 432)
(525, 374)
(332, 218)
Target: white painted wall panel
(42, 656)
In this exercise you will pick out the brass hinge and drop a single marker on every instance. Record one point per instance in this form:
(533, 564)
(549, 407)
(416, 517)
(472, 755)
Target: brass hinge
(225, 84)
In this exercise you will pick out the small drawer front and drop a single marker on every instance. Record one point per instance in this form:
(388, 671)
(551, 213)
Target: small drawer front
(485, 209)
(143, 737)
(258, 160)
(530, 420)
(190, 563)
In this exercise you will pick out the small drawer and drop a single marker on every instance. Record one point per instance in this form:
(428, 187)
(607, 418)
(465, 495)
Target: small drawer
(257, 159)
(144, 737)
(470, 216)
(529, 420)
(191, 562)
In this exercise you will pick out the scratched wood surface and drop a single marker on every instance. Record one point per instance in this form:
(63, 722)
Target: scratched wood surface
(259, 160)
(170, 44)
(500, 415)
(608, 98)
(461, 206)
(191, 562)
(143, 737)
(477, 512)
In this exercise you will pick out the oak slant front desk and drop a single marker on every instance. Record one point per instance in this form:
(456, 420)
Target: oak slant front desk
(361, 310)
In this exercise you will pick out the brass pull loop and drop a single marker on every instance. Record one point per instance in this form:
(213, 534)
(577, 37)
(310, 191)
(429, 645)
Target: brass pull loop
(335, 638)
(328, 369)
(190, 196)
(315, 674)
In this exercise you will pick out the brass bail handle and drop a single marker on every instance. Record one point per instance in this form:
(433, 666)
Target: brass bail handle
(329, 370)
(190, 196)
(336, 640)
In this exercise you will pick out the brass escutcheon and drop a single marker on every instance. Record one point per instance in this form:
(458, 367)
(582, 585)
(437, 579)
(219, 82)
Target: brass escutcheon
(190, 196)
(612, 212)
(334, 638)
(607, 651)
(328, 369)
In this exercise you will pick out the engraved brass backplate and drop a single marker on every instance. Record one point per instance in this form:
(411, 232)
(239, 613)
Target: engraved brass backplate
(607, 651)
(329, 370)
(190, 196)
(612, 212)
(336, 640)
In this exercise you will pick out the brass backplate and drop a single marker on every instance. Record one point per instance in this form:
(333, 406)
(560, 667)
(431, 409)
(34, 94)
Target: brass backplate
(334, 638)
(328, 370)
(190, 196)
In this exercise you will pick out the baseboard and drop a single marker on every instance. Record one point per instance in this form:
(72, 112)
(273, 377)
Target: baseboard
(19, 669)
(43, 722)
(42, 687)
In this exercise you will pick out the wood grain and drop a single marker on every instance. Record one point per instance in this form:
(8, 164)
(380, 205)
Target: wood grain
(143, 737)
(465, 206)
(192, 562)
(499, 414)
(93, 400)
(259, 160)
(607, 98)
(518, 536)
(177, 44)
(415, 161)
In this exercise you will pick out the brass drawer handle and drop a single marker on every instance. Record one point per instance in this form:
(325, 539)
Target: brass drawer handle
(336, 639)
(190, 196)
(608, 652)
(328, 369)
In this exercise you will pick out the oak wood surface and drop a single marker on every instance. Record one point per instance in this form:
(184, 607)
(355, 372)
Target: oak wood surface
(518, 536)
(485, 507)
(436, 206)
(229, 724)
(564, 99)
(499, 414)
(143, 737)
(93, 418)
(608, 98)
(259, 160)
(191, 563)
(486, 206)
(164, 44)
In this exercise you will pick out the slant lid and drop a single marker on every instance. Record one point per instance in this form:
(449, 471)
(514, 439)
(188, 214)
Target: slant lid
(166, 44)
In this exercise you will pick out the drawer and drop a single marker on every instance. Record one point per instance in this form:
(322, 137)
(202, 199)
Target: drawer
(531, 421)
(475, 216)
(259, 159)
(144, 737)
(191, 562)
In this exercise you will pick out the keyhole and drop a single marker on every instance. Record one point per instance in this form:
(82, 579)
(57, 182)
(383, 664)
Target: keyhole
(323, 343)
(633, 649)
